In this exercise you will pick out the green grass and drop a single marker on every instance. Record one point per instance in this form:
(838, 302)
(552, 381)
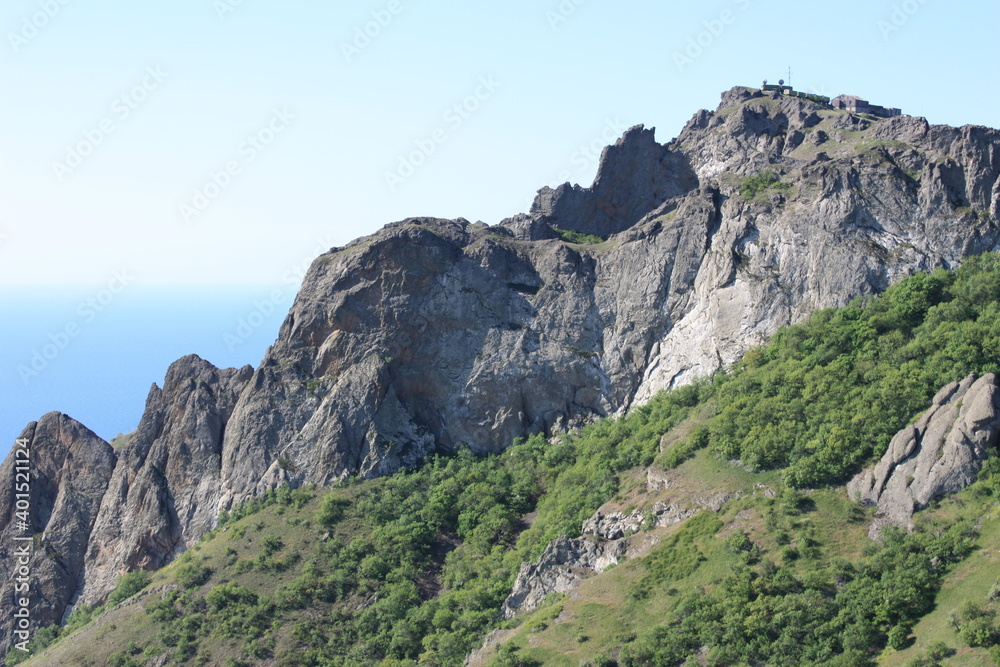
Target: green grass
(603, 611)
(96, 642)
(120, 441)
(579, 238)
(752, 188)
(969, 581)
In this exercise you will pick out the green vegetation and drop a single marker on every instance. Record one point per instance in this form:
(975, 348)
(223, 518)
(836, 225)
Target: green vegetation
(120, 441)
(768, 614)
(412, 569)
(763, 181)
(570, 236)
(678, 557)
(829, 394)
(779, 585)
(129, 585)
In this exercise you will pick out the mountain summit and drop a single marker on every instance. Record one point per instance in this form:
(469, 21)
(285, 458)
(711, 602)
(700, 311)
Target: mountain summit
(433, 334)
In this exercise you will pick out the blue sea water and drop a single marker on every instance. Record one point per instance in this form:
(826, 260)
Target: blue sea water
(94, 354)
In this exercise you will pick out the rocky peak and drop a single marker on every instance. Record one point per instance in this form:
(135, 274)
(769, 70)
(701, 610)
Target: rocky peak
(432, 334)
(69, 471)
(635, 176)
(164, 493)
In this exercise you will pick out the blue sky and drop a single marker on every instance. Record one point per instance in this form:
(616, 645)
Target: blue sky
(209, 148)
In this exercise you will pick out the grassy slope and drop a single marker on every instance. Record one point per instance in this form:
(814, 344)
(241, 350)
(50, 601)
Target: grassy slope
(600, 616)
(129, 622)
(811, 407)
(594, 620)
(970, 581)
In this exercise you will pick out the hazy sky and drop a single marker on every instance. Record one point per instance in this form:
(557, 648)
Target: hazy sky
(121, 121)
(169, 169)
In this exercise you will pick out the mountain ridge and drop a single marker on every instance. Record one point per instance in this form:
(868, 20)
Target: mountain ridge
(433, 334)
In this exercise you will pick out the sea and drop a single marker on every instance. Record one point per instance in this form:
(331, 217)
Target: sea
(95, 354)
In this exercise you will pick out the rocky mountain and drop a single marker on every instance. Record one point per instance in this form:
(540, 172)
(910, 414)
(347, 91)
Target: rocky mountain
(70, 471)
(431, 334)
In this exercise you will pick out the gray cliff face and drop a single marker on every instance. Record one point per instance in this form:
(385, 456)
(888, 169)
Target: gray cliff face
(69, 471)
(940, 454)
(163, 494)
(637, 175)
(432, 334)
(435, 333)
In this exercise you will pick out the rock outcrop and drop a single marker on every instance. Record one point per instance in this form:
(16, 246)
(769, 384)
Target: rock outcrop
(164, 492)
(560, 568)
(605, 542)
(616, 525)
(66, 480)
(637, 175)
(432, 334)
(940, 454)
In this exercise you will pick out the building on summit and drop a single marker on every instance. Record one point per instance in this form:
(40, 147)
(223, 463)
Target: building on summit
(851, 103)
(855, 104)
(791, 92)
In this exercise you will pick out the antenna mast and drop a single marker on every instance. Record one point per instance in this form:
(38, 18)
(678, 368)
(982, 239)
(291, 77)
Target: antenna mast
(789, 76)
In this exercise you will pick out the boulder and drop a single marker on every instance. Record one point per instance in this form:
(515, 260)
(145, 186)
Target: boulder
(940, 454)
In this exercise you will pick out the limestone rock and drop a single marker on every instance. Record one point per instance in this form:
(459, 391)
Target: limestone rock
(559, 569)
(616, 525)
(613, 526)
(940, 454)
(635, 176)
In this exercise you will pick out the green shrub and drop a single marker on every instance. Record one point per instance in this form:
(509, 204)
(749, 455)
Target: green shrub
(123, 659)
(682, 451)
(570, 236)
(331, 509)
(752, 186)
(898, 637)
(229, 595)
(129, 585)
(192, 575)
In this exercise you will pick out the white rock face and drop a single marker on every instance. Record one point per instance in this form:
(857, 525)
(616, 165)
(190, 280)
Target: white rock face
(940, 454)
